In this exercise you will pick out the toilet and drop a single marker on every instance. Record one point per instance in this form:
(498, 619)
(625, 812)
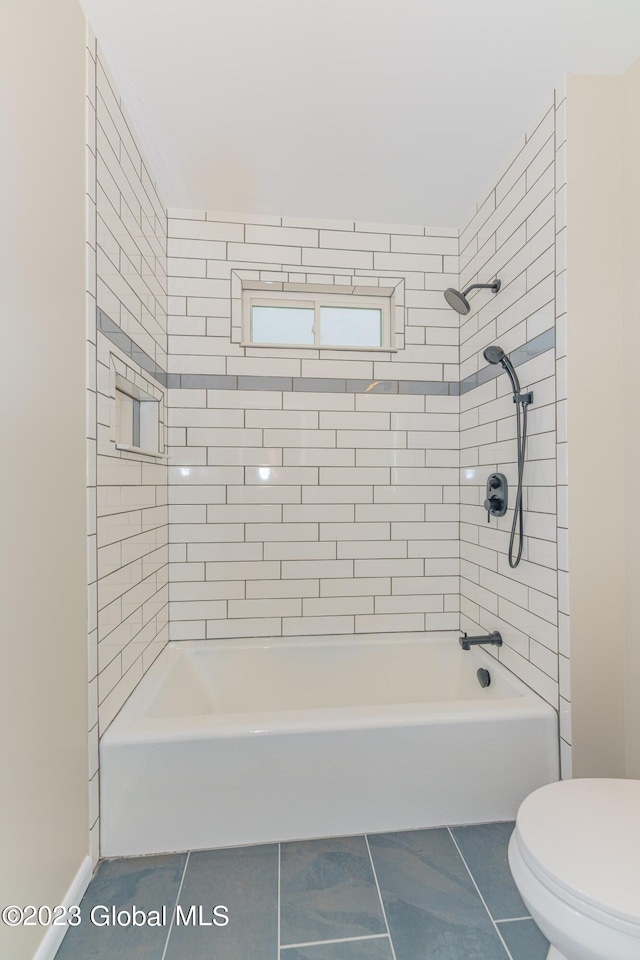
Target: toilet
(575, 857)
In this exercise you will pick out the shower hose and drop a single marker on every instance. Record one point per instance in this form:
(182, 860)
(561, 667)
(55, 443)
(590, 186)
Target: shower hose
(518, 519)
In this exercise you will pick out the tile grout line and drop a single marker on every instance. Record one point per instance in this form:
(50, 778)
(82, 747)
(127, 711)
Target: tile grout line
(384, 912)
(184, 873)
(495, 926)
(320, 943)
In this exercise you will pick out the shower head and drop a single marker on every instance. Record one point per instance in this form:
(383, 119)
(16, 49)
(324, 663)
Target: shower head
(458, 300)
(497, 355)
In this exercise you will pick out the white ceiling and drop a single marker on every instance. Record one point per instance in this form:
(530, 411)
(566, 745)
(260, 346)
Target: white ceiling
(390, 110)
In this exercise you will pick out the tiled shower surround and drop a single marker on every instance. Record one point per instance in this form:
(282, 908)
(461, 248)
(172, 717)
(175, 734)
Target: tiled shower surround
(321, 492)
(127, 553)
(517, 233)
(313, 493)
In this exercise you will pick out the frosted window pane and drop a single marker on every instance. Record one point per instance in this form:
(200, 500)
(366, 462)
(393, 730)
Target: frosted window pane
(351, 327)
(282, 325)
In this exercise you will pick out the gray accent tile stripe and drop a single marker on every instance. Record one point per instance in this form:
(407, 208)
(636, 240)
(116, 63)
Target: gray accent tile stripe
(372, 386)
(540, 344)
(265, 383)
(440, 388)
(123, 341)
(469, 383)
(206, 381)
(319, 384)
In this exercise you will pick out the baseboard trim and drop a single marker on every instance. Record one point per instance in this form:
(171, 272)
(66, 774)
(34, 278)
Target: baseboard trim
(54, 936)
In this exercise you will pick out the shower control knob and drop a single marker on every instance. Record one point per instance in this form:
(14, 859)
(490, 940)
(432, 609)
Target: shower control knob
(493, 506)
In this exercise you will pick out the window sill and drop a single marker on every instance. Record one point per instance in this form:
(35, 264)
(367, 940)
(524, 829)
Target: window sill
(315, 346)
(127, 448)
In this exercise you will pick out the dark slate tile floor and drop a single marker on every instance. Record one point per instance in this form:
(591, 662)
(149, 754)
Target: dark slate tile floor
(413, 895)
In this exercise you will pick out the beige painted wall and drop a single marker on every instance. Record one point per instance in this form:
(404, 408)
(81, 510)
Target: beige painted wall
(603, 331)
(595, 428)
(631, 416)
(43, 676)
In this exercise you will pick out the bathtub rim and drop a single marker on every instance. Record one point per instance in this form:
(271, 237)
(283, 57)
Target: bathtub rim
(132, 725)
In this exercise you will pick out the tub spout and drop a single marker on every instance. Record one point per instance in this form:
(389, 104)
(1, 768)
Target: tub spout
(494, 638)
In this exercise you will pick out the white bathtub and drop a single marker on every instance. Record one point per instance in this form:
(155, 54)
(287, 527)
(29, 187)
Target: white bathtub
(238, 742)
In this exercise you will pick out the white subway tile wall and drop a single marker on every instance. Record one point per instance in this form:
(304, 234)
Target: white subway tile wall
(516, 233)
(312, 505)
(127, 512)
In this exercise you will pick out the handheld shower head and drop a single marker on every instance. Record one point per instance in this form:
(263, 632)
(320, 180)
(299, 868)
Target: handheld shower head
(458, 300)
(494, 354)
(497, 355)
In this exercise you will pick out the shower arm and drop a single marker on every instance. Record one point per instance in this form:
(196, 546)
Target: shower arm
(482, 286)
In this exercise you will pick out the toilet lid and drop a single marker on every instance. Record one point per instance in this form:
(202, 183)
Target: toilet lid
(585, 836)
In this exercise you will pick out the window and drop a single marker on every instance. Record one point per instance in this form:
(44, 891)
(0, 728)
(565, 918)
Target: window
(315, 320)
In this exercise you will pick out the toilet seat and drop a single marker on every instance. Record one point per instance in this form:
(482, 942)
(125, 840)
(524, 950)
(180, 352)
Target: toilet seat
(581, 839)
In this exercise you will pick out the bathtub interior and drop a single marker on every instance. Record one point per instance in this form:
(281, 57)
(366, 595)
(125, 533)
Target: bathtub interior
(227, 743)
(324, 673)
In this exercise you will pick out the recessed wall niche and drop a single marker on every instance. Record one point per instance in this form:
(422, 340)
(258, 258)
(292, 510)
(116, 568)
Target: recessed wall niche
(137, 415)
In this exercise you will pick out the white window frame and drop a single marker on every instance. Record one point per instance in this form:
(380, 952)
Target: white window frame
(315, 301)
